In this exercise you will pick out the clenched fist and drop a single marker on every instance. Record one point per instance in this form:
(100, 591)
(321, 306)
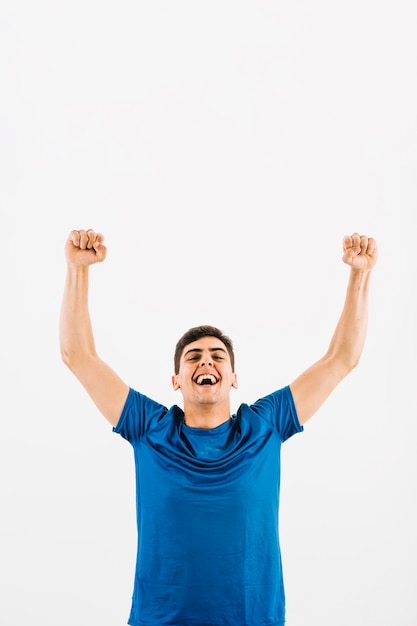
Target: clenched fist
(85, 247)
(360, 252)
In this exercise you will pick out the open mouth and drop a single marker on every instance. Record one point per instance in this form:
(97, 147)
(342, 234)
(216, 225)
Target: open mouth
(206, 379)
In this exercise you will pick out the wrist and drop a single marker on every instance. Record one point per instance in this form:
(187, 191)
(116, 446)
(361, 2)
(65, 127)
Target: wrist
(78, 275)
(360, 270)
(77, 268)
(359, 278)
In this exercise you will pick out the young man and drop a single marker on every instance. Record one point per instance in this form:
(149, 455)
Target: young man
(208, 481)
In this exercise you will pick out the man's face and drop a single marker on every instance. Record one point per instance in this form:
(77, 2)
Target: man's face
(205, 374)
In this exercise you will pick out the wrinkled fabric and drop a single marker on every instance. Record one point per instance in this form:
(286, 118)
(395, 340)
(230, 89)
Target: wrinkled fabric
(207, 514)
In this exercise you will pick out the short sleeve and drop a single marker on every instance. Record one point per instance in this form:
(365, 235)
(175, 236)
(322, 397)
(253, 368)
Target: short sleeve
(279, 410)
(139, 415)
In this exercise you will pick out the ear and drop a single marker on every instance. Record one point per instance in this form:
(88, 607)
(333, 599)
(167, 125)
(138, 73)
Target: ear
(234, 381)
(175, 382)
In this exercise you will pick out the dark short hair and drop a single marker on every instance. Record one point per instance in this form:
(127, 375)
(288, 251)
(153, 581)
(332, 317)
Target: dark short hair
(197, 332)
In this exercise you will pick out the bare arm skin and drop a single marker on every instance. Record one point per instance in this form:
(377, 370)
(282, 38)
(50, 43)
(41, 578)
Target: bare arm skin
(314, 385)
(78, 350)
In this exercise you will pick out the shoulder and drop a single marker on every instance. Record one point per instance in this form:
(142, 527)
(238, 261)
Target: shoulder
(278, 409)
(139, 414)
(281, 398)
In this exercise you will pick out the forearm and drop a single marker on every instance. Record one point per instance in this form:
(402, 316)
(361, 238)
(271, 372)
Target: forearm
(315, 384)
(76, 334)
(348, 340)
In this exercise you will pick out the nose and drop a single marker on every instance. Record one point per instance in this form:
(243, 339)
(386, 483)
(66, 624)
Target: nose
(206, 359)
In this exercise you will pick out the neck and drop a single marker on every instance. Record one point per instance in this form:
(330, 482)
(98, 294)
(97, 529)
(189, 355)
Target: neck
(205, 416)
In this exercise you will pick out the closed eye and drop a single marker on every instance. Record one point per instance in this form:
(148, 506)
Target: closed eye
(195, 353)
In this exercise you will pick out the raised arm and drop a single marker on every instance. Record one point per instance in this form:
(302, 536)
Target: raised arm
(106, 389)
(312, 388)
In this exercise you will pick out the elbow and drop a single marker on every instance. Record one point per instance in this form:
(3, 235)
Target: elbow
(71, 358)
(343, 364)
(350, 364)
(354, 363)
(66, 357)
(76, 359)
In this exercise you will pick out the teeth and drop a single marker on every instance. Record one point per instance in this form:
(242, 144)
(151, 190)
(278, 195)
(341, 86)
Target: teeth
(203, 377)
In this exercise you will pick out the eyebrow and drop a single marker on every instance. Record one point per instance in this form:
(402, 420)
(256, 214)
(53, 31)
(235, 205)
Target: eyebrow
(199, 350)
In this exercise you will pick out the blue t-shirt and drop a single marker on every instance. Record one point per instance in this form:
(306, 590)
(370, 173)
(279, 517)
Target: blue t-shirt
(207, 514)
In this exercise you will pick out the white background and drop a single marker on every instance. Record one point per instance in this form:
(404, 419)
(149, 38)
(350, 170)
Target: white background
(224, 149)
